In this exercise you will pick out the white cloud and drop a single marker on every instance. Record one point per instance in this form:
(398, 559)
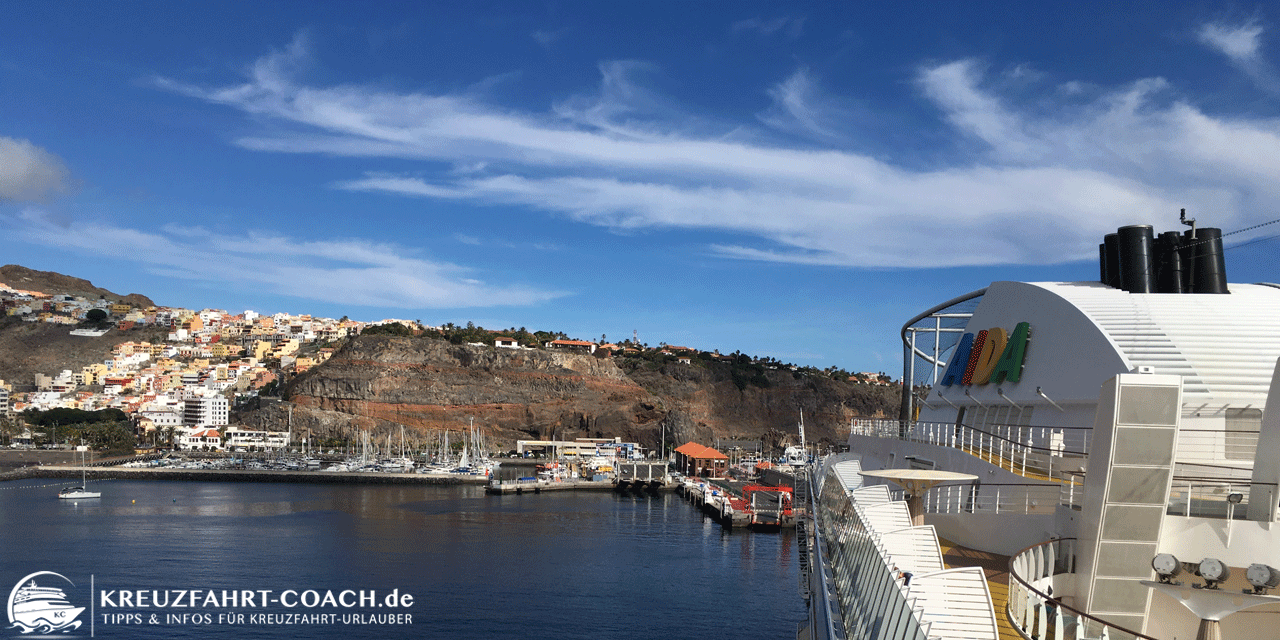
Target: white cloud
(29, 173)
(340, 271)
(1242, 44)
(800, 107)
(1238, 42)
(1039, 189)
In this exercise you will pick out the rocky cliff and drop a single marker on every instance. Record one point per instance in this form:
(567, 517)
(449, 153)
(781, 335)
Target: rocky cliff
(382, 382)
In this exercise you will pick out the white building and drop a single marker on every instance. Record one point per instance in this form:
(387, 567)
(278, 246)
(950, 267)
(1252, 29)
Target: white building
(205, 411)
(200, 439)
(240, 439)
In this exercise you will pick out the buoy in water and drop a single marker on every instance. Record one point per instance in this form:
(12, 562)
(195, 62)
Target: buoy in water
(175, 499)
(133, 501)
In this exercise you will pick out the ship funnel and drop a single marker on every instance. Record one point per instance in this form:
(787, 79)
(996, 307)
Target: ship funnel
(1205, 268)
(1169, 278)
(1137, 268)
(1135, 260)
(1109, 252)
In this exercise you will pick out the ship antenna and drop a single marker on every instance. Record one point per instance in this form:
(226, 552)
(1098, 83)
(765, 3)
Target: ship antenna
(1190, 223)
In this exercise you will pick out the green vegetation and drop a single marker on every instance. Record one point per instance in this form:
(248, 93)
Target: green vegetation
(389, 329)
(743, 369)
(106, 430)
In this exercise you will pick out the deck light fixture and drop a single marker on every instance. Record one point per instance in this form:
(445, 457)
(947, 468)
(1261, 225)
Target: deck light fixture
(1214, 572)
(1167, 567)
(1262, 577)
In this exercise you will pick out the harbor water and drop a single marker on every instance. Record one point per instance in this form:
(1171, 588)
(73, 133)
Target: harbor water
(556, 565)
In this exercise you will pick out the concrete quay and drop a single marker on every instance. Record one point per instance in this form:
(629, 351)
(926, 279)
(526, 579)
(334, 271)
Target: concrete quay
(538, 486)
(242, 475)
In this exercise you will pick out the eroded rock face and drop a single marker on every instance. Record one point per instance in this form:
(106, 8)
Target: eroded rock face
(380, 382)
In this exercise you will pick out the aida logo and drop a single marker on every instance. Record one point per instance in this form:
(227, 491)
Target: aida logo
(42, 608)
(992, 356)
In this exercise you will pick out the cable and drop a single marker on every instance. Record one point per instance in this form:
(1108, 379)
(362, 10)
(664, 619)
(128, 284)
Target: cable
(1254, 241)
(1256, 226)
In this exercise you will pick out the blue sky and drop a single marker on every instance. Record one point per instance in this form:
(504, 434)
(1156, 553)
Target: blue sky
(793, 180)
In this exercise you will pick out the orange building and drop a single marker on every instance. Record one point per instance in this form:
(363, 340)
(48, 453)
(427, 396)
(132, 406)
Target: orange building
(695, 460)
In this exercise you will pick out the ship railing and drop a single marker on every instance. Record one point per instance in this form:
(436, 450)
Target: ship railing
(989, 498)
(1211, 447)
(1029, 451)
(1033, 610)
(1196, 497)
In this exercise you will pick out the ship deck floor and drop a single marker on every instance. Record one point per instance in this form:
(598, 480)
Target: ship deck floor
(996, 569)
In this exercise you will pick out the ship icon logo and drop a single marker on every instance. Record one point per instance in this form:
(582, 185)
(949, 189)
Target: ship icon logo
(42, 609)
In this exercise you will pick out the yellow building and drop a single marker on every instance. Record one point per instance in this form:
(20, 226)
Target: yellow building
(260, 349)
(94, 373)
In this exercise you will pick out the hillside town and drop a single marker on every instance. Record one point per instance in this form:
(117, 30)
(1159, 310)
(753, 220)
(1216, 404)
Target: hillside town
(178, 388)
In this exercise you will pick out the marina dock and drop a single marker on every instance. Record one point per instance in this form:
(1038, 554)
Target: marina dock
(742, 504)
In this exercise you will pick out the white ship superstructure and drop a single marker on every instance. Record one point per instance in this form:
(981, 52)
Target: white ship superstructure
(1105, 424)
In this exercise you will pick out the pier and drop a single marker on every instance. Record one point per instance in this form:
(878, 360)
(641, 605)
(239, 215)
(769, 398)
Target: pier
(741, 504)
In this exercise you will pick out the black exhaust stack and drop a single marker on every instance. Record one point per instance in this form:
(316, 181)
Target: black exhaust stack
(1134, 260)
(1169, 277)
(1206, 266)
(1137, 268)
(1110, 250)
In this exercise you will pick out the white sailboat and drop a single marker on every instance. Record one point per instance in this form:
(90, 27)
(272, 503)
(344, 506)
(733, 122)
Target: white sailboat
(82, 491)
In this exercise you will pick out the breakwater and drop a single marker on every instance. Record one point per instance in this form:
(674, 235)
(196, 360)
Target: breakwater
(240, 475)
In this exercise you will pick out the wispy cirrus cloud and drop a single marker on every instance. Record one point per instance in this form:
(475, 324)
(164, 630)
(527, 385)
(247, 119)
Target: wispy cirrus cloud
(617, 159)
(800, 107)
(356, 272)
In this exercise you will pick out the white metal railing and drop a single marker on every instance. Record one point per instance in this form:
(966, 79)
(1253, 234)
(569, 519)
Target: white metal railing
(1212, 446)
(1011, 499)
(1192, 497)
(1200, 490)
(1023, 449)
(1035, 613)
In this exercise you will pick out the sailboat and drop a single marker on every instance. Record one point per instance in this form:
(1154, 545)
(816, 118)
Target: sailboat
(82, 491)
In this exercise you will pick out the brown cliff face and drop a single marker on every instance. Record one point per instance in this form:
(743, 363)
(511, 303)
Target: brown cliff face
(381, 382)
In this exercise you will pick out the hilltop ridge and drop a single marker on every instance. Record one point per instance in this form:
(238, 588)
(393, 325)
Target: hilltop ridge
(50, 282)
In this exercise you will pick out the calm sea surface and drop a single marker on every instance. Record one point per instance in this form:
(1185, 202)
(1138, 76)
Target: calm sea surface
(559, 565)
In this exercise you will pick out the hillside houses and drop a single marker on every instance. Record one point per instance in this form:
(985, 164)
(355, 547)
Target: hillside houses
(194, 362)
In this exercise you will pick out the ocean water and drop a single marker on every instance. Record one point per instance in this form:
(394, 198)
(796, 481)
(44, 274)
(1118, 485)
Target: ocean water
(558, 565)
